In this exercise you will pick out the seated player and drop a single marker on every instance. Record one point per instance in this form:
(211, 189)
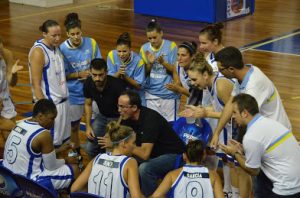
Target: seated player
(113, 174)
(29, 150)
(193, 179)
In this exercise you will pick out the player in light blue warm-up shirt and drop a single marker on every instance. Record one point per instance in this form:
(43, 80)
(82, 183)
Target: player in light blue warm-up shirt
(78, 53)
(126, 64)
(160, 56)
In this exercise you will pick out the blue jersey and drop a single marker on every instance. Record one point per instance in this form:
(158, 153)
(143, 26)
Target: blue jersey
(78, 59)
(135, 68)
(159, 77)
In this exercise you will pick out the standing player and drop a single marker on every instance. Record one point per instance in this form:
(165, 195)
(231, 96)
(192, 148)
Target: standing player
(125, 64)
(185, 55)
(115, 174)
(193, 179)
(202, 77)
(8, 76)
(28, 150)
(160, 56)
(48, 79)
(78, 53)
(210, 38)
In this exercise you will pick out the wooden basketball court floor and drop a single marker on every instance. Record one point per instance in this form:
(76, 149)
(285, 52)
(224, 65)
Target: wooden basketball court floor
(272, 22)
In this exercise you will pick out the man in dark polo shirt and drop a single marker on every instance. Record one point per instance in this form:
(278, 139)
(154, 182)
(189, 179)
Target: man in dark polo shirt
(105, 90)
(157, 144)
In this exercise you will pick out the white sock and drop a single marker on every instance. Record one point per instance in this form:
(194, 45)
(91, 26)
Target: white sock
(235, 192)
(227, 181)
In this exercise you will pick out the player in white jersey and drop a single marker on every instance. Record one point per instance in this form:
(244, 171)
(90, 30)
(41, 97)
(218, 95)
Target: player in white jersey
(202, 77)
(185, 55)
(47, 75)
(78, 52)
(113, 174)
(160, 57)
(193, 179)
(29, 152)
(210, 39)
(8, 76)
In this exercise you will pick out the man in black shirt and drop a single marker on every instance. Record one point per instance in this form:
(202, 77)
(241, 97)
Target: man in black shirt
(157, 144)
(105, 90)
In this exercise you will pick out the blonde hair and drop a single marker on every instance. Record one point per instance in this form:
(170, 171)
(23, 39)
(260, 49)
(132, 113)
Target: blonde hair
(201, 65)
(118, 133)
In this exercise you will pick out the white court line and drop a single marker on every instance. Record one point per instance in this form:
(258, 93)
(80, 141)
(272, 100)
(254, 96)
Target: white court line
(273, 52)
(270, 41)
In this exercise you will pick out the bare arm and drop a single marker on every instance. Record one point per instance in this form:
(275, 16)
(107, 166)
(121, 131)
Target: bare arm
(225, 117)
(166, 184)
(216, 184)
(12, 67)
(88, 118)
(133, 179)
(132, 82)
(78, 75)
(37, 62)
(143, 151)
(81, 182)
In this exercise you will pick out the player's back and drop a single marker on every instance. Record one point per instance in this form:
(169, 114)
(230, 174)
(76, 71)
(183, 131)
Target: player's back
(106, 178)
(18, 154)
(193, 181)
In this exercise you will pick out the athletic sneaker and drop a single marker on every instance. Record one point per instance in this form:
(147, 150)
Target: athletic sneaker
(228, 194)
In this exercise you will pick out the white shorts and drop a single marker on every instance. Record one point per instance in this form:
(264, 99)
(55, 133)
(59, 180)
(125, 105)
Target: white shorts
(168, 108)
(62, 124)
(76, 112)
(61, 178)
(8, 110)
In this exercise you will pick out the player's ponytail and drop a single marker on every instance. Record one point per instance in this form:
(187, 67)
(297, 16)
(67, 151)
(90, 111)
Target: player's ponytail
(201, 65)
(72, 21)
(213, 32)
(118, 133)
(153, 25)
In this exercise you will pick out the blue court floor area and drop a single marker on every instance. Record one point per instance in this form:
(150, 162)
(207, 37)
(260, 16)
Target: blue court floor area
(288, 43)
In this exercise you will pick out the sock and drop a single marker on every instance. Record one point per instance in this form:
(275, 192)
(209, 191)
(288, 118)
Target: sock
(227, 181)
(235, 192)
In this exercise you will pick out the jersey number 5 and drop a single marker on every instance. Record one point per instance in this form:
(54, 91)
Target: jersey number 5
(12, 151)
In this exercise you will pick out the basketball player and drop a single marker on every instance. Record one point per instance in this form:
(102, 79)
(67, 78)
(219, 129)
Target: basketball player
(193, 179)
(185, 55)
(202, 77)
(28, 150)
(47, 75)
(125, 64)
(8, 76)
(78, 52)
(113, 174)
(160, 57)
(210, 38)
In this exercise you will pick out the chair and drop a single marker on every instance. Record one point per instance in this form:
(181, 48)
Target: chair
(83, 194)
(8, 185)
(31, 188)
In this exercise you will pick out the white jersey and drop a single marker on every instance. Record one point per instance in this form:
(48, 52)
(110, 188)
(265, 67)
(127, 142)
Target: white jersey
(193, 181)
(18, 155)
(106, 178)
(218, 106)
(210, 58)
(272, 147)
(258, 85)
(53, 82)
(183, 77)
(8, 110)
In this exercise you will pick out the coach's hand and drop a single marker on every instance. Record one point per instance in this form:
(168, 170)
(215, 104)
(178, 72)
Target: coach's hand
(89, 133)
(105, 142)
